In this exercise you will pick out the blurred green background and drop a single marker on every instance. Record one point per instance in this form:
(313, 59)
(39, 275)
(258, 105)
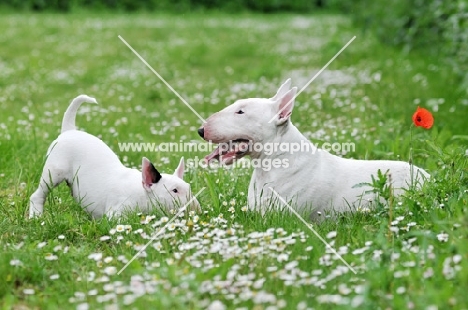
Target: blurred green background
(437, 26)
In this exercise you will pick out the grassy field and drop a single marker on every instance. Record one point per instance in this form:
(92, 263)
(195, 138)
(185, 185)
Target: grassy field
(411, 253)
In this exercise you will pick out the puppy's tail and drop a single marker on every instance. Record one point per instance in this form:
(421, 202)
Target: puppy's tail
(68, 122)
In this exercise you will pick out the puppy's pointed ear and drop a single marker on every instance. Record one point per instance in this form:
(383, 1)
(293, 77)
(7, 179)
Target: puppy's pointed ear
(282, 90)
(285, 107)
(179, 172)
(149, 174)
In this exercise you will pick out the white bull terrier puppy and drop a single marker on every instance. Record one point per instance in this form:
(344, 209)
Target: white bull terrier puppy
(99, 181)
(310, 178)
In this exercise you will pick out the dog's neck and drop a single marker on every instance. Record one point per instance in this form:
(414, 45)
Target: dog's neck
(140, 196)
(288, 136)
(288, 133)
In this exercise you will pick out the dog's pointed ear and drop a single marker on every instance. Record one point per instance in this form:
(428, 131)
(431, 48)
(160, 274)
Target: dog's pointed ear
(149, 174)
(286, 105)
(282, 90)
(179, 172)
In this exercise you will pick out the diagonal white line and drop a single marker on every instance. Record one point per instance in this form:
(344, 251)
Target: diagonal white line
(313, 78)
(313, 230)
(163, 80)
(162, 230)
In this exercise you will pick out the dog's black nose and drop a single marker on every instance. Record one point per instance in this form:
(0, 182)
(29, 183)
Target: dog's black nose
(201, 132)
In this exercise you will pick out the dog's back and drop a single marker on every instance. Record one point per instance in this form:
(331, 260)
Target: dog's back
(80, 151)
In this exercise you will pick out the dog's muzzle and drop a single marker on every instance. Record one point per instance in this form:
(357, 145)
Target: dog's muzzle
(201, 132)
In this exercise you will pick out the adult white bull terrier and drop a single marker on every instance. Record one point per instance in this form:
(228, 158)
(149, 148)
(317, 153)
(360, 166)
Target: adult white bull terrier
(99, 181)
(310, 178)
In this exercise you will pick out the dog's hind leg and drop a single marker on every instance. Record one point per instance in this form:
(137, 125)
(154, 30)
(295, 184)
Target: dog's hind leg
(52, 175)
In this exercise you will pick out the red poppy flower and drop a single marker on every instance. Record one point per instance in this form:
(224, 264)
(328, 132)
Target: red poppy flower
(423, 118)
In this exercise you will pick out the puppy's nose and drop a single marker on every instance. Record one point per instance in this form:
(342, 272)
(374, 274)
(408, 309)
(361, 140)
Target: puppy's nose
(201, 132)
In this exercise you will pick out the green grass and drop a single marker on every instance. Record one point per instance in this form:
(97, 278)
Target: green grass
(367, 96)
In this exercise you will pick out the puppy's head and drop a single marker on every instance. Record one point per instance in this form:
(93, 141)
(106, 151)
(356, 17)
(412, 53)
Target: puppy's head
(168, 190)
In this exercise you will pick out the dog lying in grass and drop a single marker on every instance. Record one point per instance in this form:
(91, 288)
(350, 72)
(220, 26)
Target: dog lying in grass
(99, 181)
(312, 179)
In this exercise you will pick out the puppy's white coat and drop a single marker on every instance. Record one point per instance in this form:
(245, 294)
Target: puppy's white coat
(317, 180)
(97, 178)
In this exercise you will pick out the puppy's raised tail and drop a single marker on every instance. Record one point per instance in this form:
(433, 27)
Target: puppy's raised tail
(68, 122)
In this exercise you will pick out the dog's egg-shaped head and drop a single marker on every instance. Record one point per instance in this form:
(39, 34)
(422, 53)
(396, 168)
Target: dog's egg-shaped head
(247, 122)
(169, 191)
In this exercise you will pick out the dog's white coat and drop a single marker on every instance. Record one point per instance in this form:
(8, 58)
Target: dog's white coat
(317, 180)
(97, 178)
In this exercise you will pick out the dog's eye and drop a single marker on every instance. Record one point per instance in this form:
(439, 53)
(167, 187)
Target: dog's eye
(175, 190)
(240, 112)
